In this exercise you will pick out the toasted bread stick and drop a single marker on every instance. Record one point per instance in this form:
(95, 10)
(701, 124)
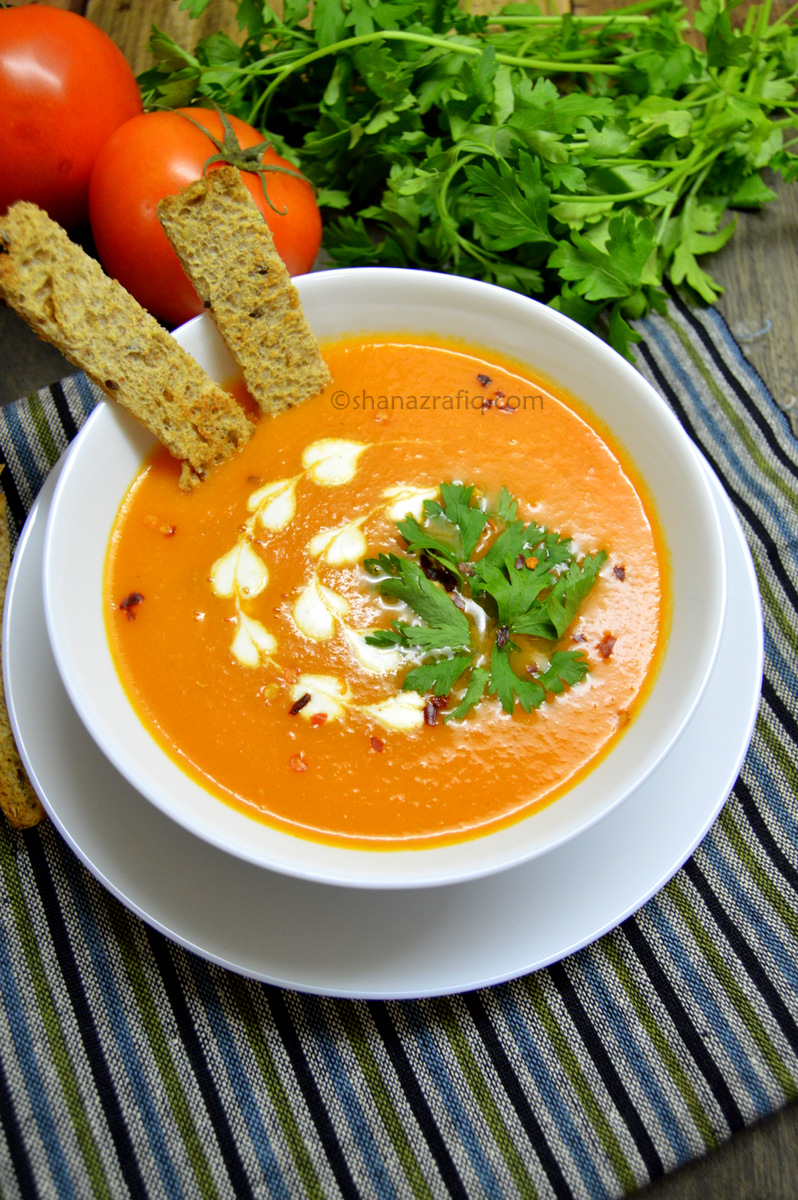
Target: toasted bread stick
(18, 801)
(68, 300)
(227, 251)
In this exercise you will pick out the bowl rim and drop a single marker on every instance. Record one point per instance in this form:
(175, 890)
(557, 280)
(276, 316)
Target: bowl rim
(301, 857)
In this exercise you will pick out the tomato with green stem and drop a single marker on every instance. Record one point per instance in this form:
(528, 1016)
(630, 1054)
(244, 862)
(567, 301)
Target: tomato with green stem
(158, 154)
(64, 88)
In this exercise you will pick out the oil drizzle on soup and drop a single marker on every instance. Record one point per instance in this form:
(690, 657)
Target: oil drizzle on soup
(248, 658)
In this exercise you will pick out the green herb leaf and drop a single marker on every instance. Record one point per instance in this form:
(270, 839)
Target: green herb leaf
(446, 626)
(457, 509)
(478, 681)
(437, 677)
(552, 618)
(509, 687)
(567, 668)
(528, 582)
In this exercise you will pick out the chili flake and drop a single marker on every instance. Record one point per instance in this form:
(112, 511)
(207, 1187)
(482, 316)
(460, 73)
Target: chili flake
(299, 704)
(619, 572)
(377, 745)
(431, 708)
(606, 645)
(128, 605)
(502, 636)
(484, 380)
(318, 719)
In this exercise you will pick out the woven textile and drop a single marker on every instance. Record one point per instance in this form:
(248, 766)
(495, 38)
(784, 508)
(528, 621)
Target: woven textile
(130, 1067)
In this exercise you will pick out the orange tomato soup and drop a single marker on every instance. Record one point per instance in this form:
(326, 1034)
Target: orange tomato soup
(228, 605)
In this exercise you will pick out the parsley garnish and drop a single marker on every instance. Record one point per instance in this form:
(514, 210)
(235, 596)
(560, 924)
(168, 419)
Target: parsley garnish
(527, 583)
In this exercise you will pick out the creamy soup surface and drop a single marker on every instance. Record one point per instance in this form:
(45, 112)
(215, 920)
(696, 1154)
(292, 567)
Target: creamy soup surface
(238, 613)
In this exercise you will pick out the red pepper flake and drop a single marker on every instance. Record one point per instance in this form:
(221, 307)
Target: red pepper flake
(377, 745)
(619, 573)
(318, 719)
(436, 571)
(483, 380)
(128, 605)
(502, 636)
(519, 562)
(487, 402)
(606, 645)
(532, 669)
(432, 707)
(578, 637)
(466, 568)
(299, 704)
(458, 601)
(499, 394)
(297, 762)
(531, 562)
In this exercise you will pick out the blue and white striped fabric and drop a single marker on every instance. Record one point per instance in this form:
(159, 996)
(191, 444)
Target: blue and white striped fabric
(130, 1067)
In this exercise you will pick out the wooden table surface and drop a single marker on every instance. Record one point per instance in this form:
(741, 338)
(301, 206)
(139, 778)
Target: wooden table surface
(759, 270)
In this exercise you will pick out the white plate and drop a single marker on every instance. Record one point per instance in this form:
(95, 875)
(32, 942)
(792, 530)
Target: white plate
(389, 944)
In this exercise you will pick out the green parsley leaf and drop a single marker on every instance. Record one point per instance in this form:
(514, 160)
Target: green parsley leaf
(446, 626)
(437, 677)
(457, 509)
(508, 686)
(478, 681)
(528, 582)
(552, 618)
(567, 668)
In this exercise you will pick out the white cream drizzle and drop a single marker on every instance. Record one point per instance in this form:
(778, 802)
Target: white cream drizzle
(274, 505)
(252, 642)
(332, 462)
(331, 698)
(342, 546)
(407, 500)
(401, 712)
(373, 659)
(241, 572)
(319, 612)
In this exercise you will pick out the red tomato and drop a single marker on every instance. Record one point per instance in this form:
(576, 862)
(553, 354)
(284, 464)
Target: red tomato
(64, 88)
(157, 154)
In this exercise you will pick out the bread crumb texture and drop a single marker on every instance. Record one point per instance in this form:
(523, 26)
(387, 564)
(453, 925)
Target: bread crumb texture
(227, 251)
(18, 801)
(67, 299)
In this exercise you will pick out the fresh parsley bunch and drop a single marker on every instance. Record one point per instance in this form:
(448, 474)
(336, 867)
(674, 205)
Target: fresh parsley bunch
(528, 583)
(583, 160)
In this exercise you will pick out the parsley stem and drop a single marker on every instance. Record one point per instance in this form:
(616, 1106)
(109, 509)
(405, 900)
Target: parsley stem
(440, 43)
(618, 17)
(775, 28)
(686, 167)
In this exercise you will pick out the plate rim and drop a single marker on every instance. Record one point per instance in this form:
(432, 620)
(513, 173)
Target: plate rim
(391, 897)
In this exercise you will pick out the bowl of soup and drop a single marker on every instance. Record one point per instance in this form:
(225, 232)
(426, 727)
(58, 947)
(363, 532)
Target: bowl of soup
(425, 626)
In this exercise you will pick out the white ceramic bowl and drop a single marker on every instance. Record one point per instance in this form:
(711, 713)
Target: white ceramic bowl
(107, 452)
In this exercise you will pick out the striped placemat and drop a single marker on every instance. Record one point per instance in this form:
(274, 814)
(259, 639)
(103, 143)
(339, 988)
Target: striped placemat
(130, 1067)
